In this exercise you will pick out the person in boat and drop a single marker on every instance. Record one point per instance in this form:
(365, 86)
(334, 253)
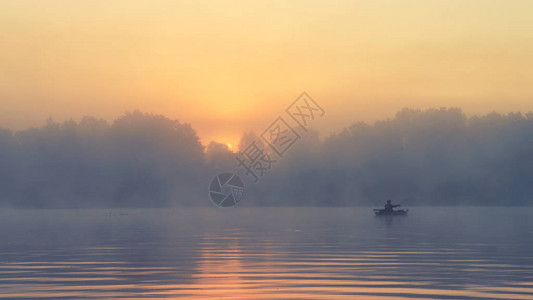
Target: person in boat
(389, 206)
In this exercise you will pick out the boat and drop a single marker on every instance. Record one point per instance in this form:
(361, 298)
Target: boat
(383, 212)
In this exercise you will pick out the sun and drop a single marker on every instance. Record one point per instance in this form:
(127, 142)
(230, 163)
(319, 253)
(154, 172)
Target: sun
(230, 147)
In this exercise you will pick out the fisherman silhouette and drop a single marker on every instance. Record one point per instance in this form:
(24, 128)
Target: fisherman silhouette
(389, 206)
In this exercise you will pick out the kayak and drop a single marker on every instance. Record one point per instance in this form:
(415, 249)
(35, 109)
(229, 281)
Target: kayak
(382, 212)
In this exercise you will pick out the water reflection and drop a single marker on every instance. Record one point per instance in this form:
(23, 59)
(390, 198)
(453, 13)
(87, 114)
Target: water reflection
(266, 253)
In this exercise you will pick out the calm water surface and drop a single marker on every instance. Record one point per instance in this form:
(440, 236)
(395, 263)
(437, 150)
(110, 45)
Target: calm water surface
(307, 253)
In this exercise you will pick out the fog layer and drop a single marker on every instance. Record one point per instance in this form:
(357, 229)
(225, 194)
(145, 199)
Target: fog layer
(436, 157)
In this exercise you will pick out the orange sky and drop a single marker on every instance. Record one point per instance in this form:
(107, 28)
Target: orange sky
(230, 66)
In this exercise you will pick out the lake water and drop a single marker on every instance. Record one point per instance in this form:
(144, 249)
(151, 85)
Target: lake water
(298, 253)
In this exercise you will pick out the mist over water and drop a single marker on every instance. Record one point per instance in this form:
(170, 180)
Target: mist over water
(432, 157)
(121, 211)
(308, 253)
(266, 149)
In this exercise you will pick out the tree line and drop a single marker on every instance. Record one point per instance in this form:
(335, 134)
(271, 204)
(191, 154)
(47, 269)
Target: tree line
(422, 157)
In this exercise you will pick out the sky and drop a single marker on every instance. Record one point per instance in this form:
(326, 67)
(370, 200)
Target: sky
(227, 67)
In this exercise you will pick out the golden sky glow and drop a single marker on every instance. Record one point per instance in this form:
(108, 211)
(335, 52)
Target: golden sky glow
(230, 66)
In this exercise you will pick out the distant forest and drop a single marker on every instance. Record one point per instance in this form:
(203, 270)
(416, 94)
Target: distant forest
(431, 157)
